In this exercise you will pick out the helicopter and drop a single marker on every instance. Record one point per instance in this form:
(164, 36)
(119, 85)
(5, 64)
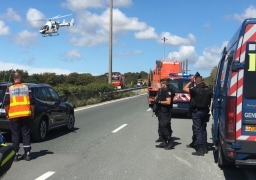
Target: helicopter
(51, 27)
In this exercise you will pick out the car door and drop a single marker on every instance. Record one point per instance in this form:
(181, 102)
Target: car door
(61, 108)
(51, 106)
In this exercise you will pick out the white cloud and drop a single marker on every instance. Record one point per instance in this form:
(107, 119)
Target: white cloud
(4, 30)
(210, 57)
(25, 38)
(250, 12)
(93, 29)
(35, 18)
(72, 55)
(128, 53)
(77, 5)
(185, 52)
(32, 70)
(11, 15)
(146, 34)
(176, 40)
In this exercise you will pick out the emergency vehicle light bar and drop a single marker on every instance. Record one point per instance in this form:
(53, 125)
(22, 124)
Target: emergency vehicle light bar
(180, 75)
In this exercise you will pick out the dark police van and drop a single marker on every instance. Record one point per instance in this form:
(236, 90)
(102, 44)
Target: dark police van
(177, 83)
(234, 103)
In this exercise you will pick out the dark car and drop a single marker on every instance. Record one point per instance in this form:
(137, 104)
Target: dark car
(51, 111)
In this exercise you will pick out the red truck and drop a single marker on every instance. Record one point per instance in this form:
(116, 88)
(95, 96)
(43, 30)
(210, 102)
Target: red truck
(118, 81)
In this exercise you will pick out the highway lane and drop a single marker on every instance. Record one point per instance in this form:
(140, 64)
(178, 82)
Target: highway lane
(94, 151)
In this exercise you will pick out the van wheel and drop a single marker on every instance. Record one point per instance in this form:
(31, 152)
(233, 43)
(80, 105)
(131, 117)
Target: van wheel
(70, 122)
(222, 162)
(41, 132)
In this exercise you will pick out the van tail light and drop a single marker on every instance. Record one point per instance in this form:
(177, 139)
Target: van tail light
(231, 118)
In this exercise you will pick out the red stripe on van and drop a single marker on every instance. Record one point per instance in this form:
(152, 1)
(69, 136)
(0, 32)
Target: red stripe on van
(248, 27)
(251, 138)
(238, 48)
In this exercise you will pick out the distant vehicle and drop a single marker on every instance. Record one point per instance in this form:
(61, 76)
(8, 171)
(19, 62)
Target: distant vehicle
(51, 27)
(141, 83)
(51, 111)
(118, 81)
(161, 71)
(234, 101)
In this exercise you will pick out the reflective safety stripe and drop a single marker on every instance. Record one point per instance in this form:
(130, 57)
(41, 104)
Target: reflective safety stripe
(8, 157)
(26, 146)
(20, 113)
(19, 103)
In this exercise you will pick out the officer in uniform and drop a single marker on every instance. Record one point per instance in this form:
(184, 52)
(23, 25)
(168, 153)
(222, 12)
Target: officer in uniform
(200, 100)
(19, 106)
(164, 117)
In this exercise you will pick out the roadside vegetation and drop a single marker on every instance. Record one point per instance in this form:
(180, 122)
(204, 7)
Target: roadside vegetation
(81, 89)
(86, 89)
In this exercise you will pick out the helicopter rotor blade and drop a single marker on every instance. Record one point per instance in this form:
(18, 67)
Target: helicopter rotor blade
(59, 16)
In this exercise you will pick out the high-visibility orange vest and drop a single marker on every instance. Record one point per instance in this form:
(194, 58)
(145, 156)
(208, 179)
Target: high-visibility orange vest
(19, 101)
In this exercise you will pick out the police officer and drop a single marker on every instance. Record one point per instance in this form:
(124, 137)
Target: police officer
(164, 117)
(19, 106)
(200, 100)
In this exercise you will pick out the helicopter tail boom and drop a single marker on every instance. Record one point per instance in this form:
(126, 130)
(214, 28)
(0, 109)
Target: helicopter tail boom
(64, 23)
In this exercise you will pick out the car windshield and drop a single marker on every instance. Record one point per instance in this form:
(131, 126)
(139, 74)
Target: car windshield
(2, 92)
(115, 78)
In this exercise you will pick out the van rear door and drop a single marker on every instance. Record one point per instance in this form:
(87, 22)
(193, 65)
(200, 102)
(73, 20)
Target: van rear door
(248, 120)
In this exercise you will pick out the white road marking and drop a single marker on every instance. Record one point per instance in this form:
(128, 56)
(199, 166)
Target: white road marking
(149, 109)
(183, 161)
(119, 128)
(101, 104)
(45, 175)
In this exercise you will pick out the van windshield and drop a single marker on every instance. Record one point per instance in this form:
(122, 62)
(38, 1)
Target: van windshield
(178, 84)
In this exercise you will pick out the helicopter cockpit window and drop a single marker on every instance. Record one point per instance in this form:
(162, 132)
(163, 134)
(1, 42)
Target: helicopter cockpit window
(45, 27)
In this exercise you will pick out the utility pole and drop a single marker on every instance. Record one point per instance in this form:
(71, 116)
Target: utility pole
(110, 42)
(164, 39)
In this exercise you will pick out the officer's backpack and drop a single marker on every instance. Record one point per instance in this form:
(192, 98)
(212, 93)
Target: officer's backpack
(7, 155)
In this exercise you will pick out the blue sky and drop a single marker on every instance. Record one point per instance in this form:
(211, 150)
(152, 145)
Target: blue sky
(196, 30)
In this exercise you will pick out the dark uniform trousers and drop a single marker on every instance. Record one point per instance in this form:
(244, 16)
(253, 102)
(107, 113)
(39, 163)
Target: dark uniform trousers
(21, 125)
(164, 123)
(199, 127)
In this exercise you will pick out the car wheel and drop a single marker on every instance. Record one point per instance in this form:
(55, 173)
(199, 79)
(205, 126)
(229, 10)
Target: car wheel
(70, 122)
(41, 132)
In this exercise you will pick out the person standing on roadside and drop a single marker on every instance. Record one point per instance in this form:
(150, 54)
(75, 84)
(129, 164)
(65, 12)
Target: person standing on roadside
(19, 105)
(200, 100)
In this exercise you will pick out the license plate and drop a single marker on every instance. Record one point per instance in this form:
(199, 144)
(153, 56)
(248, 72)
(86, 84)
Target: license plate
(250, 128)
(2, 110)
(175, 105)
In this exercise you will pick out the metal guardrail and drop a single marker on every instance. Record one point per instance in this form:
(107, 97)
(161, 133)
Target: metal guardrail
(102, 94)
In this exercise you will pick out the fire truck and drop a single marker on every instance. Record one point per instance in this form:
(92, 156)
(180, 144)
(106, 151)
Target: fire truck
(162, 70)
(118, 81)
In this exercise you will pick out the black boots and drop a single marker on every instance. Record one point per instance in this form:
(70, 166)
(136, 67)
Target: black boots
(192, 145)
(159, 139)
(16, 158)
(169, 145)
(161, 145)
(26, 156)
(199, 151)
(205, 149)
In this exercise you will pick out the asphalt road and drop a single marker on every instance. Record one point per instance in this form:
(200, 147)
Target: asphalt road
(116, 141)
